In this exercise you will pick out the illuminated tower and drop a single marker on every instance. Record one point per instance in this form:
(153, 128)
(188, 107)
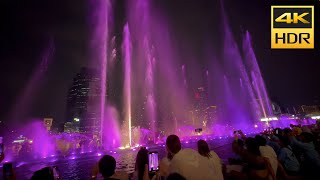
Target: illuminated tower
(82, 101)
(201, 107)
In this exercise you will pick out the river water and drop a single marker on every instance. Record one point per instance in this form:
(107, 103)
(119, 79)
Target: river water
(79, 166)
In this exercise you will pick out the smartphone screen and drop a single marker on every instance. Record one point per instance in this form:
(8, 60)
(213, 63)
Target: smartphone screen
(7, 170)
(153, 161)
(277, 131)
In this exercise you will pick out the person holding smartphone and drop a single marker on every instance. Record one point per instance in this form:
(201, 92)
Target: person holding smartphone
(107, 168)
(141, 161)
(147, 165)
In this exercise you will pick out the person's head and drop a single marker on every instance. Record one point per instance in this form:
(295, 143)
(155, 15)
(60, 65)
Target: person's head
(203, 148)
(306, 129)
(252, 146)
(286, 132)
(284, 141)
(175, 176)
(306, 137)
(173, 144)
(107, 166)
(141, 161)
(44, 173)
(261, 141)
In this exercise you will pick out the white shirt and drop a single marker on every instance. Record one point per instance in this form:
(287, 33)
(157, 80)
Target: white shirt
(268, 152)
(191, 165)
(215, 164)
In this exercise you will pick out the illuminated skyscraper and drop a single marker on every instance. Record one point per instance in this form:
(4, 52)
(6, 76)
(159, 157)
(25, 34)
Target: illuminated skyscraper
(201, 107)
(83, 101)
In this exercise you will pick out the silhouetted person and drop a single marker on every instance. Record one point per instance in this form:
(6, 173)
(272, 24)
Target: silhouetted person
(175, 176)
(43, 174)
(141, 161)
(107, 167)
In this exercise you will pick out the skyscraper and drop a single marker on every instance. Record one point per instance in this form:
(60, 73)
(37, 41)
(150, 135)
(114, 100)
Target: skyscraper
(201, 106)
(83, 101)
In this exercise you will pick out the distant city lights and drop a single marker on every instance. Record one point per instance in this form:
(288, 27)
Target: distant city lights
(315, 117)
(18, 141)
(269, 119)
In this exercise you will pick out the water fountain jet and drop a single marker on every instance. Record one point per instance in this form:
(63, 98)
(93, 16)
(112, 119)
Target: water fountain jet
(126, 45)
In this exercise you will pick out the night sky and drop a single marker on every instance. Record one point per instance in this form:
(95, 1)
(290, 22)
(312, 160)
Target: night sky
(292, 76)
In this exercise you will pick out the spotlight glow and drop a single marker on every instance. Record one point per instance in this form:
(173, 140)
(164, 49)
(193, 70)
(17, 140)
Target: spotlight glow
(269, 119)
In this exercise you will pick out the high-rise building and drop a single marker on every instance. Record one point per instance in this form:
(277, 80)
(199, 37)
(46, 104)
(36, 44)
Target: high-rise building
(83, 99)
(200, 112)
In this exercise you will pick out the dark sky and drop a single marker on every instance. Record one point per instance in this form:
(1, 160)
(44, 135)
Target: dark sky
(291, 76)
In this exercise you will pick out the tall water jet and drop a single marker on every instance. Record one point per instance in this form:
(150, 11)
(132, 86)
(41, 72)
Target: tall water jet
(111, 130)
(151, 116)
(183, 69)
(245, 100)
(253, 67)
(144, 97)
(149, 82)
(24, 101)
(99, 45)
(256, 86)
(172, 100)
(126, 46)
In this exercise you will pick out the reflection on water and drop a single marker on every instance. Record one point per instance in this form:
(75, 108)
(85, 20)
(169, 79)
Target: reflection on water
(78, 167)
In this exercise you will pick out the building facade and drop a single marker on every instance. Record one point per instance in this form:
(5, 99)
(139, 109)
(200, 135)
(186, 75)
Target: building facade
(83, 100)
(47, 122)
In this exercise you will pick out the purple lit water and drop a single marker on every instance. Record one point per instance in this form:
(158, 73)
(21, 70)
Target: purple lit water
(111, 129)
(252, 64)
(126, 46)
(24, 101)
(79, 166)
(149, 83)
